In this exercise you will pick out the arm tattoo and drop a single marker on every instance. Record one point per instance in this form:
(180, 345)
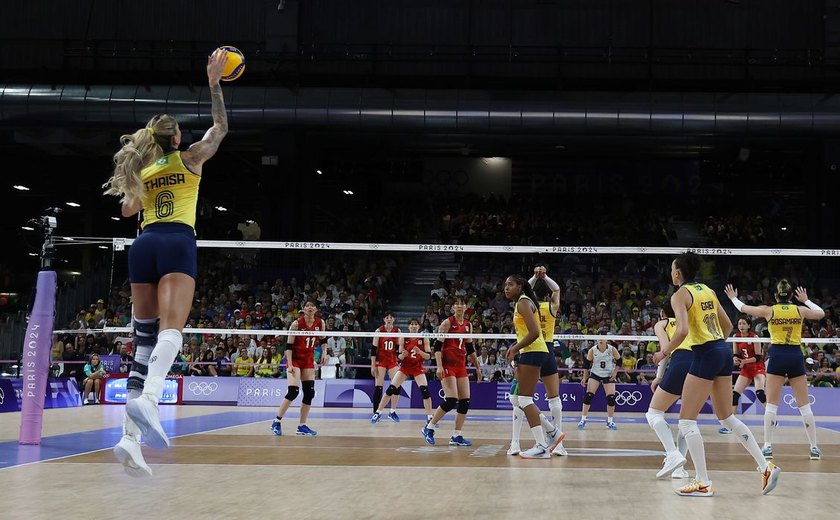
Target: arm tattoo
(203, 150)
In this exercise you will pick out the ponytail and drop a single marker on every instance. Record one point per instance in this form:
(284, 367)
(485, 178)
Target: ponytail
(139, 150)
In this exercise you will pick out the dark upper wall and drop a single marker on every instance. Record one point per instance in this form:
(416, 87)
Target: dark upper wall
(346, 42)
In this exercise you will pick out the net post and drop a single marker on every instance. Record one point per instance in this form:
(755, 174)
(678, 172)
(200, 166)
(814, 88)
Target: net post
(36, 358)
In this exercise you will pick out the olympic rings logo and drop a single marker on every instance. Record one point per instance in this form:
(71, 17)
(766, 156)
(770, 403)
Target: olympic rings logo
(202, 388)
(626, 397)
(790, 400)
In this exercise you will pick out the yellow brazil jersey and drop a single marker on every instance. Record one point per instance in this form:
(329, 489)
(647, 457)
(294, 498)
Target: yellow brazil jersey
(546, 321)
(786, 325)
(522, 330)
(171, 191)
(670, 329)
(703, 322)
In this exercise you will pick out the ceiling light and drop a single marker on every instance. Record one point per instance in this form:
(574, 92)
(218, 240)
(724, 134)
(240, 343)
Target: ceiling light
(69, 239)
(76, 273)
(249, 222)
(73, 204)
(319, 172)
(27, 228)
(221, 208)
(348, 192)
(103, 247)
(115, 218)
(20, 187)
(33, 254)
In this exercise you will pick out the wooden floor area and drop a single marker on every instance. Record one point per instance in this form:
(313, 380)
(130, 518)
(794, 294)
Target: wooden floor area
(225, 463)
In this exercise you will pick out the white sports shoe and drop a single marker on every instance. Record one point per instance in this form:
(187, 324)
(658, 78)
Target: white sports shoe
(128, 453)
(144, 413)
(537, 452)
(554, 438)
(672, 461)
(559, 450)
(680, 473)
(514, 449)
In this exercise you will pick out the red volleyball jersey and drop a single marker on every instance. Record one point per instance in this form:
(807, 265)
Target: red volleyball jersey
(303, 349)
(386, 352)
(413, 362)
(454, 352)
(746, 350)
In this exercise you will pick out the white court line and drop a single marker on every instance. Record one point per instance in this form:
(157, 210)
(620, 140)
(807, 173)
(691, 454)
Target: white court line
(104, 449)
(460, 468)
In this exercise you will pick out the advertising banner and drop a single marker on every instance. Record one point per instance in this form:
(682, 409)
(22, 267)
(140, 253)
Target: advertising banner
(270, 391)
(211, 390)
(114, 391)
(8, 397)
(61, 392)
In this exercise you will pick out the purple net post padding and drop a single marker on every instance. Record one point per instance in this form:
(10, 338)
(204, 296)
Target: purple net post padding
(36, 358)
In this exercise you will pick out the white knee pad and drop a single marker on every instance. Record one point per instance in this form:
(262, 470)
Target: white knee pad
(689, 428)
(525, 401)
(514, 400)
(654, 416)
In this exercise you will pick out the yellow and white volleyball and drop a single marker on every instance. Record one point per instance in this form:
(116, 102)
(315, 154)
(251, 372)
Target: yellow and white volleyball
(235, 65)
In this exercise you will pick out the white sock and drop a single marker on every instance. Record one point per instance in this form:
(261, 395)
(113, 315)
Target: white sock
(747, 439)
(695, 447)
(456, 433)
(555, 405)
(609, 420)
(810, 425)
(130, 429)
(545, 423)
(582, 417)
(769, 423)
(393, 410)
(682, 446)
(518, 414)
(656, 420)
(539, 435)
(168, 345)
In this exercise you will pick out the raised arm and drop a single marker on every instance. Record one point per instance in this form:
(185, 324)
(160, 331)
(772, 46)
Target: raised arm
(200, 152)
(760, 311)
(810, 311)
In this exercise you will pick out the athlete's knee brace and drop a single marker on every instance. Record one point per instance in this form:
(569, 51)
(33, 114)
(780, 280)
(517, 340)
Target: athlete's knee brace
(392, 390)
(587, 399)
(292, 393)
(145, 332)
(610, 399)
(448, 404)
(761, 396)
(735, 398)
(308, 391)
(524, 401)
(463, 406)
(424, 391)
(654, 416)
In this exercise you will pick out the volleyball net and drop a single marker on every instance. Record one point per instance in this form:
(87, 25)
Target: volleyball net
(247, 288)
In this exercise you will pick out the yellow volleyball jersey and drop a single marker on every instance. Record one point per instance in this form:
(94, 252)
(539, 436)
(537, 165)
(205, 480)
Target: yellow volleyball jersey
(522, 330)
(670, 329)
(703, 322)
(786, 325)
(171, 191)
(546, 321)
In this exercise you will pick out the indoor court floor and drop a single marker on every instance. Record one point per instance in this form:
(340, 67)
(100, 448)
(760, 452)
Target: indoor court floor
(225, 463)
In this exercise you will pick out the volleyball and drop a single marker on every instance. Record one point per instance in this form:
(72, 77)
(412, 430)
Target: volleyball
(235, 65)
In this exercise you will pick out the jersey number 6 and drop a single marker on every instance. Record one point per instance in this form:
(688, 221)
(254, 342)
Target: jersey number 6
(164, 205)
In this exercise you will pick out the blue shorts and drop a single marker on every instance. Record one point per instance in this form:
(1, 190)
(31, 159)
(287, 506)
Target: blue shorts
(549, 366)
(162, 249)
(604, 380)
(711, 360)
(536, 359)
(785, 361)
(678, 366)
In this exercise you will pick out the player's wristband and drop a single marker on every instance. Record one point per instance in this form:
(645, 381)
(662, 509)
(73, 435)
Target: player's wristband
(811, 305)
(737, 303)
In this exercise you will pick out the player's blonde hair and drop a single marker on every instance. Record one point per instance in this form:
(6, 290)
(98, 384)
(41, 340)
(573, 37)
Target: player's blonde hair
(139, 150)
(784, 289)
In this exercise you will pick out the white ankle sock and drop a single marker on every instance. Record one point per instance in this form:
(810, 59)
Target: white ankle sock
(539, 435)
(518, 414)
